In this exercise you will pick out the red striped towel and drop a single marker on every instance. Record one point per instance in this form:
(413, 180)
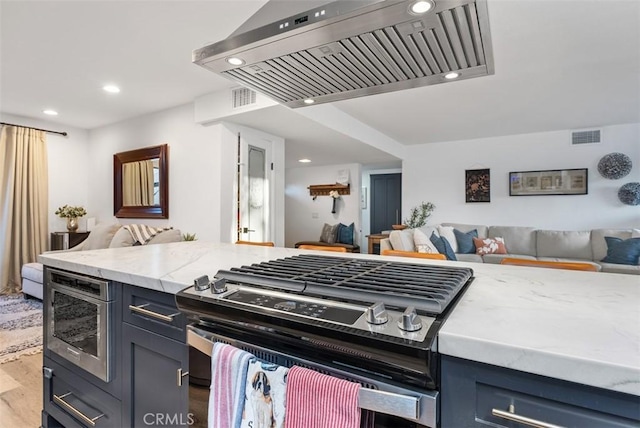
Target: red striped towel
(228, 379)
(315, 400)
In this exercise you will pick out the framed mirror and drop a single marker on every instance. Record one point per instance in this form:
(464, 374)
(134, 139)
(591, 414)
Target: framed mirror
(141, 183)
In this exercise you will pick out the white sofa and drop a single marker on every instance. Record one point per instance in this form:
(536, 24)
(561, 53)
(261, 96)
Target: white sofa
(530, 243)
(103, 236)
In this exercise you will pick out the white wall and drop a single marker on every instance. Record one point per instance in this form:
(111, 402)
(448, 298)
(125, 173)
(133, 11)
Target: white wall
(202, 173)
(435, 172)
(194, 168)
(68, 167)
(304, 216)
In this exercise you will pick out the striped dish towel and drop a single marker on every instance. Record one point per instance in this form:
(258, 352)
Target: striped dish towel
(315, 400)
(141, 233)
(228, 379)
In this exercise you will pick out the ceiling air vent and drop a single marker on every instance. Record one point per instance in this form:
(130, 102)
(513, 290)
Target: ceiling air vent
(585, 137)
(243, 97)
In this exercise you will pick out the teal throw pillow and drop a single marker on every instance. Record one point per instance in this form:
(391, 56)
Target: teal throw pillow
(465, 241)
(345, 234)
(443, 246)
(622, 252)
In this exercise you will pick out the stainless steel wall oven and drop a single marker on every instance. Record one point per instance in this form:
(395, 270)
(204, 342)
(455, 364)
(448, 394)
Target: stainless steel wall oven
(370, 321)
(78, 316)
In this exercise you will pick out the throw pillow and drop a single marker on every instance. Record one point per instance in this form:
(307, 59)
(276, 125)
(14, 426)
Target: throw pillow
(422, 243)
(465, 241)
(443, 246)
(490, 246)
(622, 252)
(345, 234)
(328, 234)
(447, 232)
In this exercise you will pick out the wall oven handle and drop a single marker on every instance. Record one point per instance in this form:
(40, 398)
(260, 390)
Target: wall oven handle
(512, 416)
(391, 403)
(142, 311)
(86, 419)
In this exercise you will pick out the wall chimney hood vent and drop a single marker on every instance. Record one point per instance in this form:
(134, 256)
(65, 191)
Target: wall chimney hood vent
(347, 49)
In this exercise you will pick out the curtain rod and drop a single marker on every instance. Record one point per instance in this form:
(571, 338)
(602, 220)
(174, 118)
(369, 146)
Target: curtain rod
(64, 134)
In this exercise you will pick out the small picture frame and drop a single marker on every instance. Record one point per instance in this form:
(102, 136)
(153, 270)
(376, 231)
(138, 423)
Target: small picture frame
(477, 185)
(549, 182)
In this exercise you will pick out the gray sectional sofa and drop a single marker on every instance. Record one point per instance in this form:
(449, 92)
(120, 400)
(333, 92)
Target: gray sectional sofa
(531, 243)
(105, 235)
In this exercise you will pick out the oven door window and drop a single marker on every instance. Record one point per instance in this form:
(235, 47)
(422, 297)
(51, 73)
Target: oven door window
(75, 321)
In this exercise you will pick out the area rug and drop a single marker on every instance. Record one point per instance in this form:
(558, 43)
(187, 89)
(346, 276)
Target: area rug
(20, 327)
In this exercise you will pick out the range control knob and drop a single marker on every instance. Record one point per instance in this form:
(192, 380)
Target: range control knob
(377, 314)
(218, 285)
(410, 321)
(201, 283)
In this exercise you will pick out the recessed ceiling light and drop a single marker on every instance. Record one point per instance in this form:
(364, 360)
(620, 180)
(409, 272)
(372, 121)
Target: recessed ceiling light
(421, 6)
(111, 88)
(452, 75)
(309, 101)
(304, 160)
(50, 112)
(235, 61)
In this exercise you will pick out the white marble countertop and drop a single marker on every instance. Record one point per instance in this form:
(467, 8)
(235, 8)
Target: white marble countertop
(581, 327)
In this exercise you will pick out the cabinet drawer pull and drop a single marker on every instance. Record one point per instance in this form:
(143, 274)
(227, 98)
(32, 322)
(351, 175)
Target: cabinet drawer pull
(179, 375)
(76, 412)
(512, 416)
(141, 310)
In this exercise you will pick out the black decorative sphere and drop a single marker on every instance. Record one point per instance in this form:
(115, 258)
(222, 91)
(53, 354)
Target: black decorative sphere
(614, 165)
(630, 194)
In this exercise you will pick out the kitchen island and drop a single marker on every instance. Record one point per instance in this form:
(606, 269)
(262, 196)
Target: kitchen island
(579, 327)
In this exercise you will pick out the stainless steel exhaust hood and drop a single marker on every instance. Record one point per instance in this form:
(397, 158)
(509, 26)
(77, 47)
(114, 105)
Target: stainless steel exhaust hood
(347, 49)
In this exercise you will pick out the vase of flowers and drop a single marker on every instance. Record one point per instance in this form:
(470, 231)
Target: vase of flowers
(71, 214)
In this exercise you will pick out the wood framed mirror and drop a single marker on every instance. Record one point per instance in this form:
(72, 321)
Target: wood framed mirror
(141, 183)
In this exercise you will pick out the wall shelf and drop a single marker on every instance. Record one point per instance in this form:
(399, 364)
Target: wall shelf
(324, 189)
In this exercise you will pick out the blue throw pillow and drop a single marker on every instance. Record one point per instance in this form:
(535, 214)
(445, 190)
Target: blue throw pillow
(622, 252)
(443, 246)
(465, 241)
(345, 234)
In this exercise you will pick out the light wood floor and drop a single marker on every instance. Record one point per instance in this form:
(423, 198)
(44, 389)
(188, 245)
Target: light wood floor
(21, 392)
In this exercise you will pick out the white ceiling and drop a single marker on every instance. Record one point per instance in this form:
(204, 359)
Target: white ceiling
(559, 64)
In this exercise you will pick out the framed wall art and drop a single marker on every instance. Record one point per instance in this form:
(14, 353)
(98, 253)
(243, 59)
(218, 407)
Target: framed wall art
(477, 185)
(549, 182)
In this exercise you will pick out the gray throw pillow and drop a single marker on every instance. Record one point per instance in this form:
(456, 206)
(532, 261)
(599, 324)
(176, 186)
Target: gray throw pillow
(329, 233)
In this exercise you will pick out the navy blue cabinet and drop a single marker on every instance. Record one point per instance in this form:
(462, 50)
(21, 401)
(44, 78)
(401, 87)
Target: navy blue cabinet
(155, 360)
(480, 395)
(149, 360)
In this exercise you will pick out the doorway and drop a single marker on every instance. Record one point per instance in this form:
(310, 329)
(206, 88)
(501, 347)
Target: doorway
(255, 190)
(386, 201)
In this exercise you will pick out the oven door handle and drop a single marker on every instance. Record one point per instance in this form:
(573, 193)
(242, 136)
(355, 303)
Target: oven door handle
(397, 404)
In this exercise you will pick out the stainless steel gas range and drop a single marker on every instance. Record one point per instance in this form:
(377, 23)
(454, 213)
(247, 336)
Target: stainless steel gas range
(371, 321)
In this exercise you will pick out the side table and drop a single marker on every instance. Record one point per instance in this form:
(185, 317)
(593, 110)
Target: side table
(375, 240)
(66, 240)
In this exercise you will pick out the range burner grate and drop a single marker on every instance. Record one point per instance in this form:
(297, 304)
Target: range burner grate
(426, 287)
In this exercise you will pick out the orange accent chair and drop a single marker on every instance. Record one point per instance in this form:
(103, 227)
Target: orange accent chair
(414, 254)
(322, 248)
(262, 244)
(550, 264)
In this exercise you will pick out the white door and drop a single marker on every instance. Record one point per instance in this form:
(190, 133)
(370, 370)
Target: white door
(255, 190)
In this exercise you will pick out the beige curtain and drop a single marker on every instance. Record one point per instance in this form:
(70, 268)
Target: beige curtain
(137, 183)
(23, 202)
